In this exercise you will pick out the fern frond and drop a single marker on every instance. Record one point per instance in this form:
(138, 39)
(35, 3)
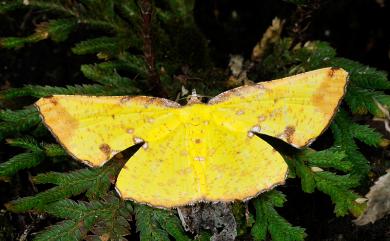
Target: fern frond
(344, 140)
(134, 63)
(362, 75)
(146, 225)
(54, 150)
(269, 221)
(13, 122)
(328, 158)
(95, 182)
(26, 142)
(10, 6)
(363, 101)
(51, 6)
(108, 217)
(130, 11)
(43, 91)
(96, 45)
(62, 231)
(108, 78)
(171, 224)
(336, 186)
(366, 134)
(131, 63)
(182, 9)
(155, 224)
(59, 29)
(20, 162)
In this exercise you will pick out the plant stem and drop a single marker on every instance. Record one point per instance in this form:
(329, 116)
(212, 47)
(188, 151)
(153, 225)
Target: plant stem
(149, 54)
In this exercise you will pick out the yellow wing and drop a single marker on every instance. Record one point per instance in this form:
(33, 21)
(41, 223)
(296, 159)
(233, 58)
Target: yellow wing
(160, 173)
(295, 109)
(200, 161)
(94, 128)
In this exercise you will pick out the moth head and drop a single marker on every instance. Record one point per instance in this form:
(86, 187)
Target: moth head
(194, 98)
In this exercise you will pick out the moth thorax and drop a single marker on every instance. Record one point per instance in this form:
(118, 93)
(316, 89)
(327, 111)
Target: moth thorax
(194, 98)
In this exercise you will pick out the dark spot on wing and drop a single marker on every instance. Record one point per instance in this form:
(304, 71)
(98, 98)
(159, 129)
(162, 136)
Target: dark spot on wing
(332, 71)
(53, 101)
(124, 99)
(105, 148)
(289, 132)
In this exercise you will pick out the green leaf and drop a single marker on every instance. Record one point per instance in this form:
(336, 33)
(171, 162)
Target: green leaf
(60, 29)
(154, 224)
(130, 10)
(43, 91)
(306, 175)
(67, 230)
(329, 158)
(344, 140)
(363, 101)
(112, 79)
(268, 220)
(26, 142)
(336, 186)
(366, 134)
(259, 229)
(171, 224)
(96, 45)
(108, 217)
(10, 6)
(54, 150)
(147, 226)
(52, 6)
(12, 42)
(20, 162)
(14, 122)
(95, 182)
(363, 76)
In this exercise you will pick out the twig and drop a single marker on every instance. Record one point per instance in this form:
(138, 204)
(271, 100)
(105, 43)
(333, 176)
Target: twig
(386, 114)
(302, 16)
(149, 54)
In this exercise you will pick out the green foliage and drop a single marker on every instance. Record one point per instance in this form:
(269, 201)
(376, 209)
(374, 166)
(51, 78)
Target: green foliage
(42, 91)
(127, 61)
(20, 162)
(59, 29)
(108, 218)
(35, 155)
(96, 45)
(269, 221)
(308, 166)
(344, 132)
(95, 182)
(155, 224)
(243, 219)
(110, 78)
(15, 122)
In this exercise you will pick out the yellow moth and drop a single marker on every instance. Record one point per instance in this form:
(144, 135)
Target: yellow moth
(201, 151)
